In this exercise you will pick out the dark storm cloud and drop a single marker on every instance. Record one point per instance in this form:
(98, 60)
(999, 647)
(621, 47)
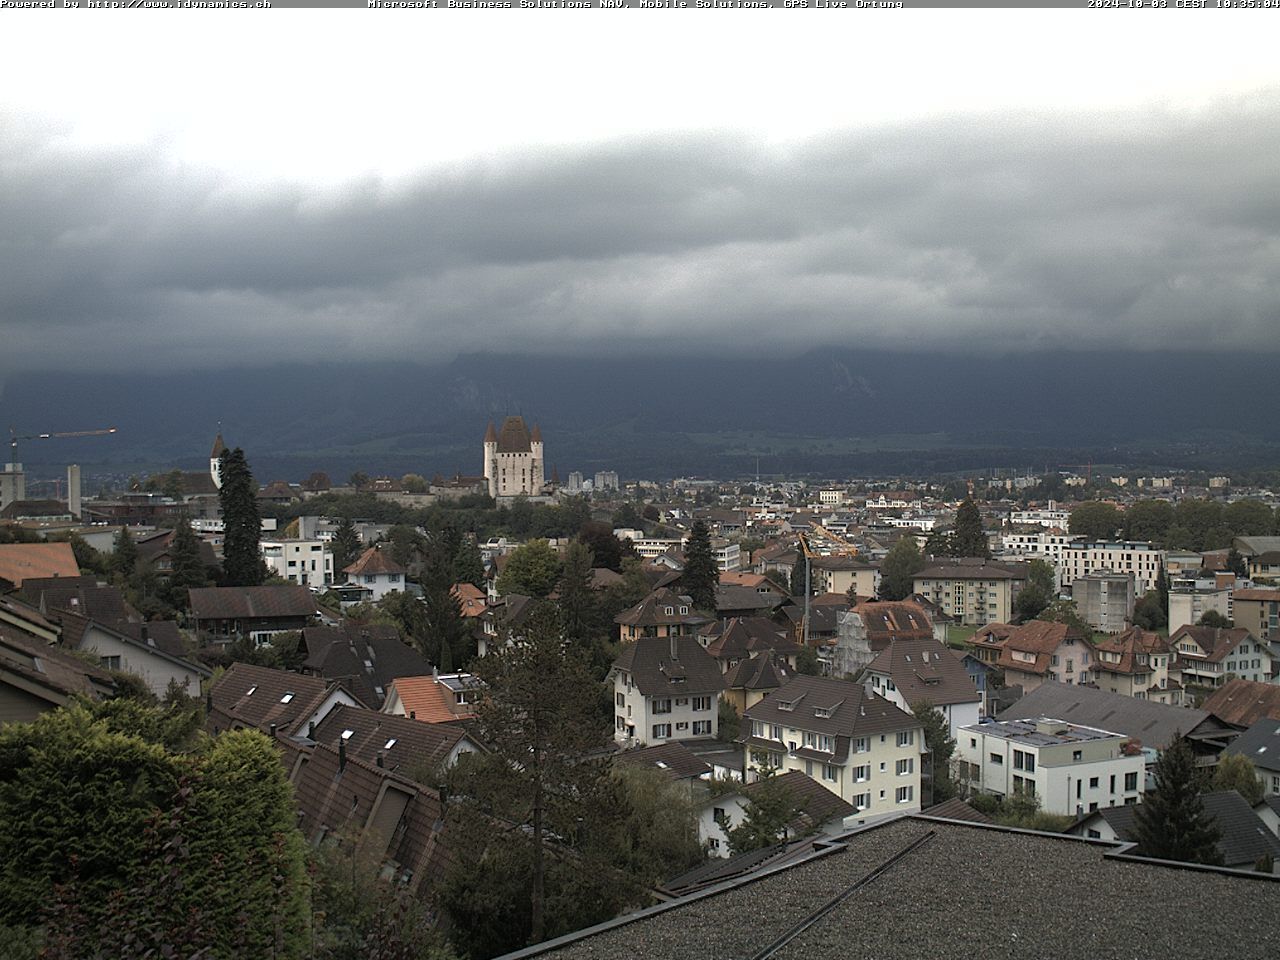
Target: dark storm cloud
(987, 233)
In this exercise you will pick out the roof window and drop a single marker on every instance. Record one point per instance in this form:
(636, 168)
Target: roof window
(348, 734)
(287, 697)
(249, 692)
(389, 744)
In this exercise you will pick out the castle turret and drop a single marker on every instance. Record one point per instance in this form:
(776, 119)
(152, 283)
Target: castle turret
(490, 459)
(537, 471)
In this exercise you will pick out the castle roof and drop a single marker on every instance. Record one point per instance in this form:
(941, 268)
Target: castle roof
(514, 436)
(491, 435)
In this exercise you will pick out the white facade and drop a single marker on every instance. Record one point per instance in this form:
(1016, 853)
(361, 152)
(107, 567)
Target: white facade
(1127, 556)
(728, 555)
(648, 721)
(1187, 606)
(1051, 517)
(308, 563)
(957, 714)
(155, 668)
(1072, 769)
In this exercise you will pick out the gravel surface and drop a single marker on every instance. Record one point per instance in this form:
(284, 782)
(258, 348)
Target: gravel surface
(968, 893)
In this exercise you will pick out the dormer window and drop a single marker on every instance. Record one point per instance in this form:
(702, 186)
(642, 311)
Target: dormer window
(669, 611)
(787, 705)
(684, 609)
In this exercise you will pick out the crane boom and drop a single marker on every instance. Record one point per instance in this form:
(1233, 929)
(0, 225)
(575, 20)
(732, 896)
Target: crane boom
(14, 437)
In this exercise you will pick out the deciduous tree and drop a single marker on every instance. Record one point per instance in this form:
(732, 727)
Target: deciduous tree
(1235, 772)
(1095, 520)
(532, 569)
(899, 568)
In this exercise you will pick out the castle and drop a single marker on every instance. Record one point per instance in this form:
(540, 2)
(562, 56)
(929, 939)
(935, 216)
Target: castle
(513, 463)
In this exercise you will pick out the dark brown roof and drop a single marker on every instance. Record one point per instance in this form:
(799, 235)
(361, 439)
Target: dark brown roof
(219, 447)
(840, 563)
(661, 608)
(374, 561)
(739, 637)
(1128, 645)
(673, 759)
(1257, 594)
(47, 671)
(957, 809)
(410, 747)
(925, 670)
(649, 660)
(22, 509)
(162, 634)
(251, 603)
(972, 569)
(491, 434)
(80, 595)
(1243, 703)
(1216, 642)
(815, 804)
(836, 707)
(761, 672)
(365, 656)
(260, 696)
(514, 436)
(888, 620)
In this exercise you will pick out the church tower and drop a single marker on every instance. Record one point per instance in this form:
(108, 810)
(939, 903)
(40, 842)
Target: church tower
(215, 459)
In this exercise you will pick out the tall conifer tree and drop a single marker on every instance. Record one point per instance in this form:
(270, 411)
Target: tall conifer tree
(700, 572)
(969, 539)
(241, 561)
(1171, 821)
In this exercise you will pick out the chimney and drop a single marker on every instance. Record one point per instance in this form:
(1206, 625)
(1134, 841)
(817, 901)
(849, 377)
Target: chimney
(379, 758)
(311, 730)
(73, 490)
(413, 714)
(273, 731)
(342, 754)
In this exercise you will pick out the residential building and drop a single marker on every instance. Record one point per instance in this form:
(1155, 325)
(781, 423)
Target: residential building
(150, 651)
(1243, 703)
(1187, 604)
(753, 679)
(394, 743)
(377, 571)
(673, 760)
(513, 460)
(1050, 517)
(366, 657)
(837, 574)
(974, 592)
(224, 614)
(22, 561)
(433, 698)
(1126, 556)
(1208, 655)
(1261, 556)
(1034, 652)
(1243, 837)
(1260, 745)
(832, 496)
(604, 479)
(1104, 599)
(909, 673)
(662, 613)
(737, 639)
(36, 677)
(304, 562)
(273, 701)
(1258, 611)
(1138, 663)
(858, 745)
(728, 555)
(816, 810)
(1071, 768)
(13, 484)
(665, 688)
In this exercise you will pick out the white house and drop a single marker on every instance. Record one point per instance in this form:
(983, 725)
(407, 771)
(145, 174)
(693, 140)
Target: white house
(308, 563)
(665, 688)
(817, 809)
(911, 672)
(376, 571)
(1072, 769)
(131, 647)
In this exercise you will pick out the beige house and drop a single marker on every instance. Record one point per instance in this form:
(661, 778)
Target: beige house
(837, 574)
(665, 688)
(1208, 655)
(662, 613)
(1257, 611)
(1138, 663)
(973, 592)
(1034, 652)
(858, 745)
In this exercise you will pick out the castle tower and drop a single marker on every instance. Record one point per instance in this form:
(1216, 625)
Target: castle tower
(215, 459)
(537, 470)
(490, 459)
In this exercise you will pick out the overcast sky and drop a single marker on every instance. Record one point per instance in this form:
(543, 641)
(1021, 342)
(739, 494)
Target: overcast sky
(181, 190)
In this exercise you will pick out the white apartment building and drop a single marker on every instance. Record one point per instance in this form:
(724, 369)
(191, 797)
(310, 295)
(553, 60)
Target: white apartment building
(665, 688)
(1052, 517)
(1071, 768)
(308, 563)
(1188, 604)
(834, 497)
(728, 555)
(859, 746)
(1039, 546)
(1124, 556)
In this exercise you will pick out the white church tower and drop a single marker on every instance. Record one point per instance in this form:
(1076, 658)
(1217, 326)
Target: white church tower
(215, 459)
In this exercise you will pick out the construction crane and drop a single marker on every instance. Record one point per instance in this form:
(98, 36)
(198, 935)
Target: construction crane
(65, 435)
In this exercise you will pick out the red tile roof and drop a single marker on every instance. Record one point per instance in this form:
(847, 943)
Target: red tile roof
(427, 700)
(18, 561)
(374, 561)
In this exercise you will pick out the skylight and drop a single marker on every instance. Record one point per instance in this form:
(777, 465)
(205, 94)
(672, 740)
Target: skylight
(251, 689)
(348, 734)
(389, 744)
(287, 697)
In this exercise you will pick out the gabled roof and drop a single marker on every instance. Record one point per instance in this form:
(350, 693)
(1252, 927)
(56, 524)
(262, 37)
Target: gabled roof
(47, 672)
(814, 803)
(839, 562)
(80, 595)
(1216, 642)
(373, 562)
(730, 597)
(74, 628)
(260, 696)
(957, 809)
(409, 747)
(827, 706)
(1245, 837)
(1260, 744)
(657, 673)
(366, 657)
(673, 759)
(663, 607)
(1038, 637)
(1243, 703)
(739, 637)
(887, 620)
(1150, 723)
(1131, 646)
(427, 700)
(251, 603)
(20, 561)
(472, 601)
(514, 436)
(762, 672)
(925, 670)
(164, 635)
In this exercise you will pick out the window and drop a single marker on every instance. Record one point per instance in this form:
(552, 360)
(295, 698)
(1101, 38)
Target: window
(113, 663)
(973, 743)
(1094, 834)
(702, 728)
(904, 794)
(370, 578)
(683, 725)
(1131, 781)
(777, 731)
(861, 800)
(719, 816)
(1077, 756)
(906, 738)
(1093, 783)
(661, 731)
(826, 744)
(860, 745)
(829, 772)
(997, 759)
(701, 703)
(862, 773)
(620, 700)
(1023, 760)
(905, 766)
(662, 705)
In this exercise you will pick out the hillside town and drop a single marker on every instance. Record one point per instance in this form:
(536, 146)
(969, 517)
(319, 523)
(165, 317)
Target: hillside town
(510, 714)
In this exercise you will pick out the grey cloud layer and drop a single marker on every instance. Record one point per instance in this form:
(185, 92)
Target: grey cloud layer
(1001, 232)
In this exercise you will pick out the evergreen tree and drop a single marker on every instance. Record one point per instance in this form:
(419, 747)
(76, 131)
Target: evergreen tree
(346, 545)
(899, 568)
(768, 810)
(187, 569)
(968, 538)
(467, 565)
(125, 558)
(798, 584)
(445, 639)
(241, 559)
(700, 571)
(577, 600)
(941, 746)
(544, 775)
(1171, 823)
